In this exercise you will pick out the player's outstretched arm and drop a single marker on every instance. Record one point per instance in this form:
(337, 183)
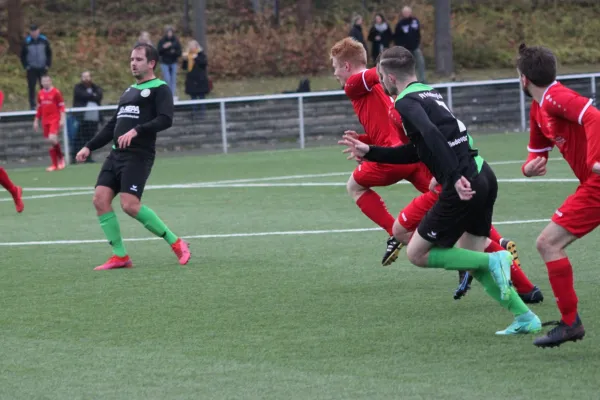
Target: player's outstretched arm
(103, 137)
(403, 154)
(163, 101)
(411, 111)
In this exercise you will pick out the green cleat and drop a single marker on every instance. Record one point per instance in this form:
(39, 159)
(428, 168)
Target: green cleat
(522, 325)
(499, 265)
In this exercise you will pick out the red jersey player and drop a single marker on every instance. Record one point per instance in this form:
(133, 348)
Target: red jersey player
(15, 191)
(51, 110)
(563, 118)
(371, 104)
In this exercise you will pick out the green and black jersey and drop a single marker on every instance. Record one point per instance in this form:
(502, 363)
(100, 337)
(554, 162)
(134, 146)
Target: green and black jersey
(146, 107)
(437, 137)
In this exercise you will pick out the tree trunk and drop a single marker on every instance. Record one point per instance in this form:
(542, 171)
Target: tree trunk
(256, 6)
(186, 17)
(15, 26)
(444, 59)
(200, 23)
(276, 12)
(304, 12)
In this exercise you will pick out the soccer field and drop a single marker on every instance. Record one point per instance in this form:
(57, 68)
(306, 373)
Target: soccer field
(284, 297)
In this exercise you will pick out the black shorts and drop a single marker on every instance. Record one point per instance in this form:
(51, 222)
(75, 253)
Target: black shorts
(450, 217)
(126, 172)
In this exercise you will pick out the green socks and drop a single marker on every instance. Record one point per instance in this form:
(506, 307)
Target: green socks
(155, 225)
(457, 259)
(514, 304)
(110, 225)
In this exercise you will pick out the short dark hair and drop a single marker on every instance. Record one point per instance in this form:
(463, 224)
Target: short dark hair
(538, 64)
(150, 51)
(399, 61)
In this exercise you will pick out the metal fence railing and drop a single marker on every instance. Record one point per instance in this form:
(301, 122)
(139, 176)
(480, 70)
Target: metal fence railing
(286, 120)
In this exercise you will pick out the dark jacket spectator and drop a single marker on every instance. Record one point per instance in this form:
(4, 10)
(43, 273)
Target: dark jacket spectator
(356, 31)
(380, 35)
(408, 33)
(195, 64)
(169, 48)
(36, 57)
(86, 92)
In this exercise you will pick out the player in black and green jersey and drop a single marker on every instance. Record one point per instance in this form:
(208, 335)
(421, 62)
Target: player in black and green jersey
(145, 109)
(463, 212)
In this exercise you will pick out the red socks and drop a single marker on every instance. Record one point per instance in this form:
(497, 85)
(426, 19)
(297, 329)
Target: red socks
(53, 156)
(520, 281)
(59, 153)
(560, 273)
(494, 235)
(372, 205)
(6, 182)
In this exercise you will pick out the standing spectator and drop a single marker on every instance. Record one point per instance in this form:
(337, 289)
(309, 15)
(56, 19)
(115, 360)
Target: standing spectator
(36, 57)
(169, 50)
(408, 35)
(380, 35)
(196, 81)
(86, 94)
(356, 31)
(144, 38)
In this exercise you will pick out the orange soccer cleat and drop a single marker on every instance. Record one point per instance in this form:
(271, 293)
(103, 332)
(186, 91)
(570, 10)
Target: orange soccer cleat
(182, 251)
(115, 262)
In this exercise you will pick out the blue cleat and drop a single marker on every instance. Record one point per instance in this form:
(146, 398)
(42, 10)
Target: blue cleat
(499, 266)
(522, 325)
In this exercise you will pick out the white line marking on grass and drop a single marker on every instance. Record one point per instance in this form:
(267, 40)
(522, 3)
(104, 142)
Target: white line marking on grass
(49, 196)
(237, 235)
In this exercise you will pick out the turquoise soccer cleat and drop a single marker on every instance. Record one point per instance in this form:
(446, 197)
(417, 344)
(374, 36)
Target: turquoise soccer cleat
(522, 325)
(499, 266)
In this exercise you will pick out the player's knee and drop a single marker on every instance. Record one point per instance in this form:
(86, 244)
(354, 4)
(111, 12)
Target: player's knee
(544, 244)
(416, 257)
(101, 203)
(400, 233)
(130, 206)
(354, 189)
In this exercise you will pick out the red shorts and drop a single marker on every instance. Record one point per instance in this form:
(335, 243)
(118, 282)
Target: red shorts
(410, 217)
(50, 128)
(371, 174)
(580, 213)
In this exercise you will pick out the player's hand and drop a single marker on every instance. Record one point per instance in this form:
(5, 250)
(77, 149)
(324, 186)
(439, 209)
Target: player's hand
(36, 125)
(596, 168)
(433, 186)
(356, 149)
(536, 167)
(463, 188)
(83, 154)
(125, 140)
(352, 134)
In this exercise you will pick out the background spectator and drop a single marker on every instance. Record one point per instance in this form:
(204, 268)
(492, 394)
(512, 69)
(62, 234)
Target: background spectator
(86, 94)
(408, 35)
(145, 38)
(169, 50)
(36, 57)
(356, 31)
(195, 64)
(380, 35)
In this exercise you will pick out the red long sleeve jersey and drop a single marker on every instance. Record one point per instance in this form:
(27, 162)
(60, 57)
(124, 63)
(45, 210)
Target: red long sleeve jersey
(50, 105)
(372, 106)
(567, 120)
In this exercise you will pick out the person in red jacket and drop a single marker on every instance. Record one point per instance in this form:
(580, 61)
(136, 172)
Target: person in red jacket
(51, 110)
(15, 191)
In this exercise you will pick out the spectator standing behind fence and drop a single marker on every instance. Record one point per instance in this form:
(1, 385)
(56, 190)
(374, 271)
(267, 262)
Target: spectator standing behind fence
(408, 35)
(195, 63)
(356, 31)
(86, 94)
(145, 38)
(169, 50)
(36, 57)
(380, 35)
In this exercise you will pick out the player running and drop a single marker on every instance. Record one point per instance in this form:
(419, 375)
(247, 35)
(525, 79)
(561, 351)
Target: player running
(349, 59)
(51, 110)
(145, 109)
(563, 118)
(463, 212)
(15, 191)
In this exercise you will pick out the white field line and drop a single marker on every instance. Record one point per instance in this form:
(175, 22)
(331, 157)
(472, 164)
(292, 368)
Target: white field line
(246, 180)
(236, 235)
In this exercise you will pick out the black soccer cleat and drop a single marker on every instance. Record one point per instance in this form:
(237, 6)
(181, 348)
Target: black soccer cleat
(533, 297)
(561, 334)
(511, 246)
(391, 251)
(464, 284)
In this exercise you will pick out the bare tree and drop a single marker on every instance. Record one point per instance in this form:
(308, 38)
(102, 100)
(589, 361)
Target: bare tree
(304, 8)
(276, 12)
(444, 58)
(15, 26)
(200, 23)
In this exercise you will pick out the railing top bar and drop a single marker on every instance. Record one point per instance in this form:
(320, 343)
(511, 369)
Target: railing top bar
(328, 93)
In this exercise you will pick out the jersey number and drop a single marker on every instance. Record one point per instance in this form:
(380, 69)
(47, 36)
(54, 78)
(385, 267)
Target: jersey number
(461, 126)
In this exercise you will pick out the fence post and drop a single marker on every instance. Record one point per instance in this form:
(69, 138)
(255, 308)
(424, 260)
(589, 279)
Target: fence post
(522, 105)
(301, 120)
(593, 82)
(223, 127)
(67, 152)
(449, 97)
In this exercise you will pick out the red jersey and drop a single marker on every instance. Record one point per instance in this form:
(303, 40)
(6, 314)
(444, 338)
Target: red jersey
(567, 120)
(50, 105)
(371, 105)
